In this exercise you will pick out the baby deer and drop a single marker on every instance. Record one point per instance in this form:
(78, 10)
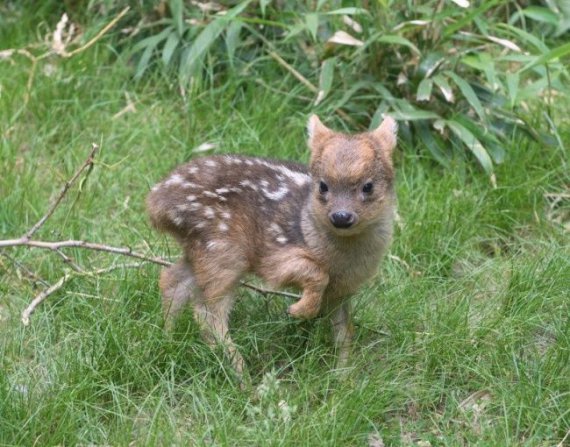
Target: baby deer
(321, 228)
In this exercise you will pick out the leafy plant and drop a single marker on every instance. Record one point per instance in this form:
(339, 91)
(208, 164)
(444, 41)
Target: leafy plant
(459, 76)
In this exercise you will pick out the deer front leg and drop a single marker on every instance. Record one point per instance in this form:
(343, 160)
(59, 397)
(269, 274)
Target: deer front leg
(295, 267)
(343, 332)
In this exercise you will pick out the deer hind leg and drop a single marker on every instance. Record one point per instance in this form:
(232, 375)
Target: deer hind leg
(178, 286)
(218, 278)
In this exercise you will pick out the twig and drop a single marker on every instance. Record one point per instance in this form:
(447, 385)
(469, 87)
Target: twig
(266, 292)
(42, 296)
(307, 84)
(4, 54)
(293, 71)
(100, 34)
(69, 261)
(29, 273)
(58, 245)
(87, 164)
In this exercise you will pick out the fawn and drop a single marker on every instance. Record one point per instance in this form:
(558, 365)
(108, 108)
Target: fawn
(321, 228)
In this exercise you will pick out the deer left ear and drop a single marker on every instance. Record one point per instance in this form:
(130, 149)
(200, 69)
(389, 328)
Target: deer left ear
(387, 134)
(316, 131)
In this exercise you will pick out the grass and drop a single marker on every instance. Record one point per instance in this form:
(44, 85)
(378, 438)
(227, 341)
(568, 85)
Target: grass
(464, 338)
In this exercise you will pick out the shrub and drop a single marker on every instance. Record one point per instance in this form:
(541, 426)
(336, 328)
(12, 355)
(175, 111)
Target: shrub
(460, 77)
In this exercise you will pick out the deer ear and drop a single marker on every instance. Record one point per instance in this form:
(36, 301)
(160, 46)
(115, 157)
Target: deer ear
(316, 131)
(387, 134)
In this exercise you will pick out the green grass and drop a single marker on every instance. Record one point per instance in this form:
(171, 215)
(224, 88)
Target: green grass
(474, 297)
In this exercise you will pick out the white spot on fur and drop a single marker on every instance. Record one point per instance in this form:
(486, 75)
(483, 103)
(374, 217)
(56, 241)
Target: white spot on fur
(194, 206)
(210, 245)
(176, 179)
(226, 215)
(191, 197)
(233, 160)
(182, 207)
(236, 189)
(222, 190)
(249, 162)
(248, 184)
(190, 185)
(178, 220)
(264, 183)
(300, 178)
(209, 212)
(201, 225)
(223, 227)
(193, 169)
(211, 163)
(277, 194)
(275, 228)
(155, 188)
(209, 194)
(281, 239)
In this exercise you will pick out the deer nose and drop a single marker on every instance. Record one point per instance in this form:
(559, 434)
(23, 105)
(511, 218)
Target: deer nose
(342, 219)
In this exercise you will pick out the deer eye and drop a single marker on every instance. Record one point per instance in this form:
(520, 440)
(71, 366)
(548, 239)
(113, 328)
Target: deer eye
(323, 187)
(367, 188)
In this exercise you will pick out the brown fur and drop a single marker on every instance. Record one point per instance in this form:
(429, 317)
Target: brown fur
(234, 215)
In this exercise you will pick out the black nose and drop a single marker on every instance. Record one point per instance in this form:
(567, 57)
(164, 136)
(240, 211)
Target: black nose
(342, 219)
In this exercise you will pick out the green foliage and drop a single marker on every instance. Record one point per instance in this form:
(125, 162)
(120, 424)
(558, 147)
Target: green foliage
(463, 339)
(456, 78)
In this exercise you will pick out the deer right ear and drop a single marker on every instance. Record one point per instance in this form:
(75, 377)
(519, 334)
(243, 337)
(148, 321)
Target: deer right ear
(317, 131)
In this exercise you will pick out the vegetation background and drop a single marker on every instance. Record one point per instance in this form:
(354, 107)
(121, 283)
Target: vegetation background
(464, 337)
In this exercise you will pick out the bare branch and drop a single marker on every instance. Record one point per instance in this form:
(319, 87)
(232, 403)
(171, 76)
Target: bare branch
(87, 164)
(28, 272)
(266, 292)
(58, 245)
(42, 296)
(100, 34)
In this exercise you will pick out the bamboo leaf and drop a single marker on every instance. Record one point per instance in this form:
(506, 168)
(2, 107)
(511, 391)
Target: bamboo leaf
(263, 5)
(343, 38)
(398, 40)
(556, 53)
(312, 23)
(537, 13)
(433, 145)
(445, 88)
(473, 144)
(512, 86)
(192, 56)
(177, 11)
(169, 47)
(325, 79)
(233, 39)
(424, 90)
(468, 93)
(350, 11)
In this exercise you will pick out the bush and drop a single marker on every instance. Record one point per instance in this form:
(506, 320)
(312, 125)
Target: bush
(456, 75)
